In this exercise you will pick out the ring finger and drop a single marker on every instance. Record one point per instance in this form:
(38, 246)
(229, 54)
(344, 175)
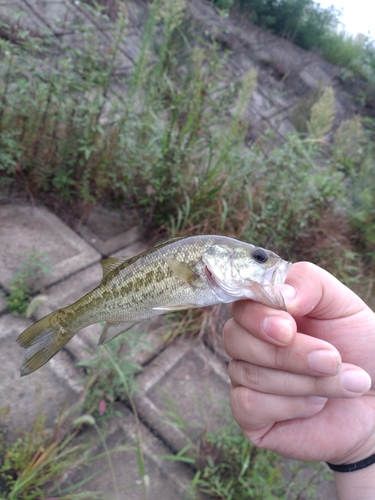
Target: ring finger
(350, 382)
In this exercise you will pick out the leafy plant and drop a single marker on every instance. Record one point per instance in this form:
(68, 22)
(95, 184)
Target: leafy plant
(362, 207)
(172, 145)
(112, 371)
(26, 282)
(343, 49)
(350, 145)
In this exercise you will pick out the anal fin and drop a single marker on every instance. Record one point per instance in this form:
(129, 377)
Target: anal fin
(113, 330)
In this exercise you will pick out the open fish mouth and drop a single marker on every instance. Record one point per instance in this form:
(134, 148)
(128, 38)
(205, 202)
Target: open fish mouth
(276, 275)
(266, 292)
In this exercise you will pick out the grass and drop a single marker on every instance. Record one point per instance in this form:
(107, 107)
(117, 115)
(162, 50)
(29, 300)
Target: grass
(26, 282)
(228, 467)
(111, 377)
(171, 145)
(112, 371)
(33, 465)
(38, 462)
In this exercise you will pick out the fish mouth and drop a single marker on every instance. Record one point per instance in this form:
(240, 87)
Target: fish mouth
(277, 274)
(267, 292)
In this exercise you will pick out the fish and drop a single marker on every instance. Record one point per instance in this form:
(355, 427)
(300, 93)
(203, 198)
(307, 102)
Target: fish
(179, 274)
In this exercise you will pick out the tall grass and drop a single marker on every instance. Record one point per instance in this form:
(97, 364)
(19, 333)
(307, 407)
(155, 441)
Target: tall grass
(71, 127)
(167, 137)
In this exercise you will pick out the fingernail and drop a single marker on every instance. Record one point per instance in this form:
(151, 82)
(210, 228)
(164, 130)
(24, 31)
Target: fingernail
(356, 381)
(288, 292)
(279, 329)
(318, 400)
(323, 362)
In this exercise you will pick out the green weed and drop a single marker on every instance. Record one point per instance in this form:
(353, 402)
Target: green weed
(37, 463)
(33, 465)
(26, 282)
(229, 467)
(322, 115)
(362, 207)
(343, 49)
(109, 383)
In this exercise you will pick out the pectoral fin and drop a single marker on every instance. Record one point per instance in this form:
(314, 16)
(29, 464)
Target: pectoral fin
(179, 307)
(113, 330)
(181, 270)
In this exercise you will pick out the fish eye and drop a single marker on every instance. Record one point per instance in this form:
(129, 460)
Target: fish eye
(260, 255)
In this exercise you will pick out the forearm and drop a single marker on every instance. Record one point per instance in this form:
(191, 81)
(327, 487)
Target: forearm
(358, 485)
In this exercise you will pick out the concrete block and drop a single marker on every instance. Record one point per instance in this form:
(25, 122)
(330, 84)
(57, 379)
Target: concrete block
(186, 378)
(109, 230)
(71, 289)
(42, 17)
(48, 390)
(167, 479)
(25, 227)
(314, 76)
(325, 487)
(134, 249)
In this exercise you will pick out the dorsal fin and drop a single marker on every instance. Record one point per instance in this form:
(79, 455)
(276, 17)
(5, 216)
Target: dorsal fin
(110, 264)
(171, 240)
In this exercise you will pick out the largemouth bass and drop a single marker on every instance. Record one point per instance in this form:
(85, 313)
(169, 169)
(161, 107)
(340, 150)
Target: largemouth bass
(179, 274)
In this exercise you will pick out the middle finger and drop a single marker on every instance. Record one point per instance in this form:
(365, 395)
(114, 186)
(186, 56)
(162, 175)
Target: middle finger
(305, 355)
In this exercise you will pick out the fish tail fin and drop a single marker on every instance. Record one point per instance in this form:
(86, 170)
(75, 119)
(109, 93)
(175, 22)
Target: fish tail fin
(42, 341)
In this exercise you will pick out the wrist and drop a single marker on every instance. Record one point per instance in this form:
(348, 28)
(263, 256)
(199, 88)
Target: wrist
(356, 485)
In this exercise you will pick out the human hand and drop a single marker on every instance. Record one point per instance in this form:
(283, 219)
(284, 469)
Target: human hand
(306, 395)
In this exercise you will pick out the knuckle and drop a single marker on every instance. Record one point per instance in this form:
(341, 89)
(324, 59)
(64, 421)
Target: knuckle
(318, 386)
(228, 333)
(289, 386)
(242, 403)
(282, 358)
(242, 373)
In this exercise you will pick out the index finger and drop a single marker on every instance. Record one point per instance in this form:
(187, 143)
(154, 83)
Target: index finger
(326, 309)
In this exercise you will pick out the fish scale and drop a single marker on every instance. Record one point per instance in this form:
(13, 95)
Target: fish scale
(188, 272)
